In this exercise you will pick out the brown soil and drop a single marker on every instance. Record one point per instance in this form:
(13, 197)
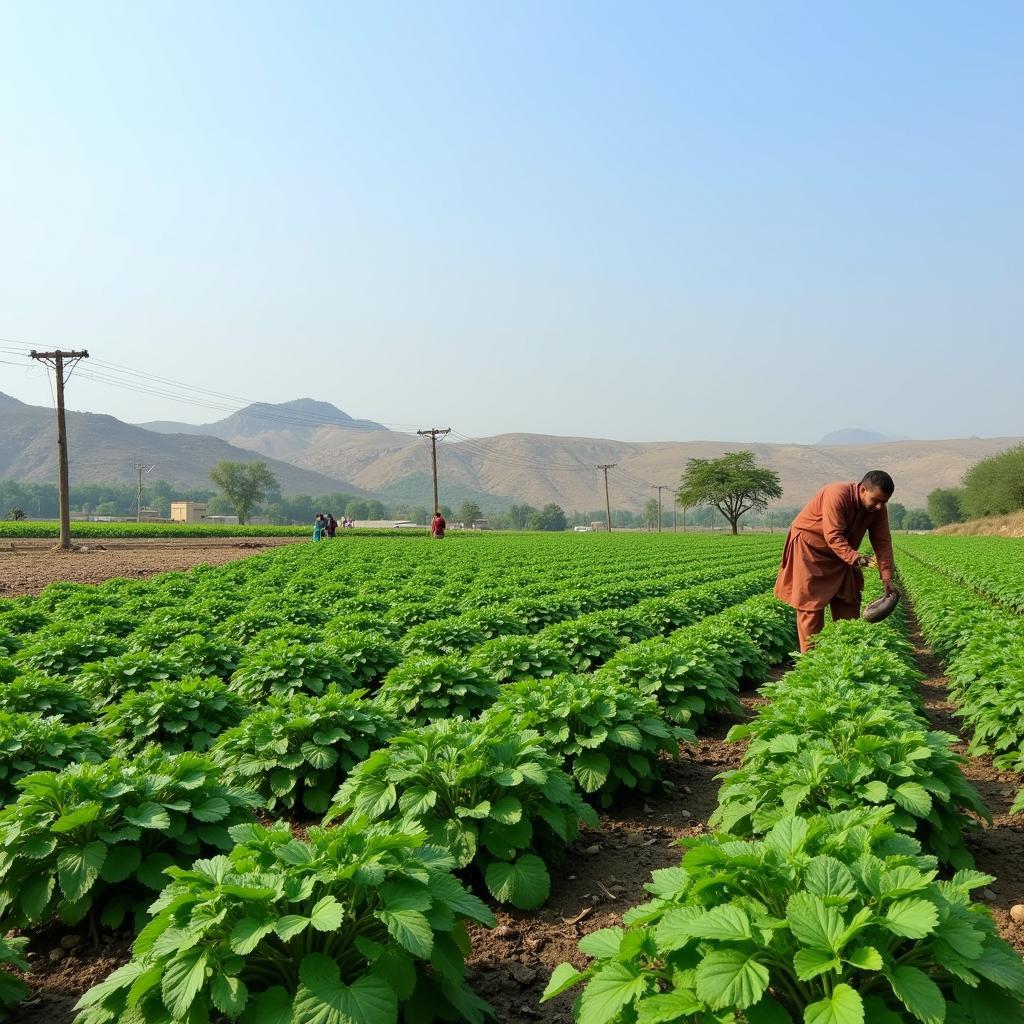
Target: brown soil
(26, 566)
(998, 848)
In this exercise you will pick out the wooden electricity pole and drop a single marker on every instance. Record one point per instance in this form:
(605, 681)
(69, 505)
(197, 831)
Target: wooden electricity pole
(56, 360)
(659, 488)
(140, 468)
(433, 434)
(607, 501)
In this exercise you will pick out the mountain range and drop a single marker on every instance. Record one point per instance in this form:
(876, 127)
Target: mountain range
(314, 448)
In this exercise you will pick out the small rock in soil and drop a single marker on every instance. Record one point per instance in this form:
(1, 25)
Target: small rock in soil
(504, 932)
(590, 851)
(523, 974)
(633, 839)
(57, 954)
(988, 895)
(1017, 913)
(71, 941)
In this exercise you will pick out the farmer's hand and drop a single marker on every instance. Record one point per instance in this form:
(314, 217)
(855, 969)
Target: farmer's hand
(866, 561)
(890, 588)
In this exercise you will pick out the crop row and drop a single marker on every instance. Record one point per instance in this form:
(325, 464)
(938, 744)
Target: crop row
(821, 898)
(89, 840)
(982, 647)
(989, 565)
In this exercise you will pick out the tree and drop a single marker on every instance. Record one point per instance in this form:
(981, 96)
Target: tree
(356, 509)
(468, 511)
(244, 483)
(734, 484)
(16, 514)
(552, 517)
(651, 514)
(897, 513)
(917, 519)
(944, 505)
(520, 515)
(995, 486)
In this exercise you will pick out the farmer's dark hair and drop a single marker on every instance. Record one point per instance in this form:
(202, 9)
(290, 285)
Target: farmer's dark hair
(878, 480)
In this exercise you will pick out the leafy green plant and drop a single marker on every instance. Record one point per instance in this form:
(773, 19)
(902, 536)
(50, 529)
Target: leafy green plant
(369, 656)
(31, 743)
(94, 838)
(357, 925)
(108, 681)
(586, 641)
(431, 689)
(607, 734)
(492, 795)
(828, 920)
(204, 654)
(38, 693)
(177, 715)
(164, 628)
(511, 658)
(284, 668)
(452, 635)
(12, 989)
(60, 650)
(296, 751)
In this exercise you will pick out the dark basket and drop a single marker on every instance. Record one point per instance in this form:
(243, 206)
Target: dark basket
(881, 609)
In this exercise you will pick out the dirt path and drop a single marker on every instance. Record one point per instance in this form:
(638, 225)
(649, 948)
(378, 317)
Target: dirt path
(26, 566)
(999, 848)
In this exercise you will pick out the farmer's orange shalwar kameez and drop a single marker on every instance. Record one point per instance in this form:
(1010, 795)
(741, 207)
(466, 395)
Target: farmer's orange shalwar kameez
(819, 563)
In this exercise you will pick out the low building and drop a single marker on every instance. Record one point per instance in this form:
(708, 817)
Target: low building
(190, 512)
(220, 520)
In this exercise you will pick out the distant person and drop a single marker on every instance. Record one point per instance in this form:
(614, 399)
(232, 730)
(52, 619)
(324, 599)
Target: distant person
(319, 525)
(332, 526)
(821, 565)
(437, 526)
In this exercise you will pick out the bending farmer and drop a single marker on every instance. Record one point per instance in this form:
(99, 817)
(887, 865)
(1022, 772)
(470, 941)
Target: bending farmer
(821, 565)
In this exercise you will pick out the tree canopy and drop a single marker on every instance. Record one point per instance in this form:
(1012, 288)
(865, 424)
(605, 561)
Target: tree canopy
(734, 484)
(944, 505)
(244, 483)
(995, 486)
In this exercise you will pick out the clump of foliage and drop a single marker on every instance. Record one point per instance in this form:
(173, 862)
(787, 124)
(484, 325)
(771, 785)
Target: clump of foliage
(359, 923)
(296, 751)
(826, 920)
(494, 796)
(60, 650)
(508, 659)
(205, 654)
(95, 838)
(283, 668)
(452, 635)
(31, 743)
(178, 715)
(38, 693)
(108, 681)
(607, 734)
(12, 989)
(587, 641)
(432, 689)
(368, 656)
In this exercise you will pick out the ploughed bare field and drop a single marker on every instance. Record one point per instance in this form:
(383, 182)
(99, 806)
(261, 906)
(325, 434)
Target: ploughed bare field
(26, 566)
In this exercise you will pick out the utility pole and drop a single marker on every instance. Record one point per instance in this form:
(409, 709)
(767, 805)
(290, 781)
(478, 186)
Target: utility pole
(607, 501)
(675, 508)
(56, 360)
(659, 488)
(140, 468)
(434, 433)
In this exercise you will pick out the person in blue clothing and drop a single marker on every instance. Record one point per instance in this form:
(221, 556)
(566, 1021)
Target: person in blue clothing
(319, 525)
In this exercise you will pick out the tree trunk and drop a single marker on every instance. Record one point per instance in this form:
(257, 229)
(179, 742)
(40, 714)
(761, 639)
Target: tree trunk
(733, 523)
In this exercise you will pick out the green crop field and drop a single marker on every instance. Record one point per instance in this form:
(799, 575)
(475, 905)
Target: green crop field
(443, 721)
(86, 530)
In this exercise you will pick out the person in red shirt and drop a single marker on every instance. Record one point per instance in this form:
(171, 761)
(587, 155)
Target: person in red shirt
(437, 526)
(821, 565)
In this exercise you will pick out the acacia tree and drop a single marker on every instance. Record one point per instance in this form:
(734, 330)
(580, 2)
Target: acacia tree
(244, 484)
(468, 512)
(734, 484)
(944, 506)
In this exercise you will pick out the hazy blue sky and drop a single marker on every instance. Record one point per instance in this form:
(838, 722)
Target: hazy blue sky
(756, 221)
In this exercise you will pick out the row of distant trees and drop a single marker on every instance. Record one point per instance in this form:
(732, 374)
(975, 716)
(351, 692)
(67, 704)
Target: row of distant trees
(991, 487)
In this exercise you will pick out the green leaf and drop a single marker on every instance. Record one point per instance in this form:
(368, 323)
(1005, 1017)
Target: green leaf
(524, 883)
(729, 978)
(914, 798)
(826, 876)
(867, 958)
(875, 791)
(229, 995)
(667, 1008)
(809, 963)
(327, 915)
(76, 818)
(290, 925)
(919, 994)
(591, 769)
(122, 861)
(271, 1007)
(247, 935)
(148, 815)
(214, 809)
(508, 810)
(323, 998)
(788, 835)
(616, 985)
(563, 977)
(913, 918)
(78, 869)
(410, 929)
(813, 923)
(844, 1006)
(183, 978)
(726, 923)
(602, 944)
